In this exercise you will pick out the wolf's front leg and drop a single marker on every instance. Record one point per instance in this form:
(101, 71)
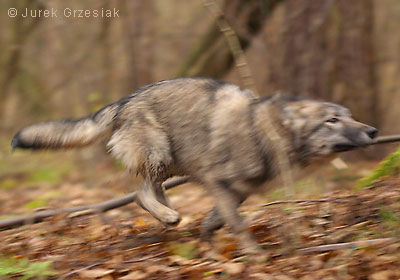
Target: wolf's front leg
(227, 201)
(153, 199)
(161, 195)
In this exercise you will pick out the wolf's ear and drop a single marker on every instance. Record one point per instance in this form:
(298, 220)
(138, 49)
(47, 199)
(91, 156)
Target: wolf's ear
(282, 99)
(290, 111)
(278, 97)
(279, 101)
(285, 104)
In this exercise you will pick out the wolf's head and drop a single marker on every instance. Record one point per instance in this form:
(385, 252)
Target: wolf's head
(322, 128)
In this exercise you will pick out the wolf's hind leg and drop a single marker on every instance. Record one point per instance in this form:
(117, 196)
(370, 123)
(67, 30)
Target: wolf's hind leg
(227, 202)
(212, 222)
(150, 199)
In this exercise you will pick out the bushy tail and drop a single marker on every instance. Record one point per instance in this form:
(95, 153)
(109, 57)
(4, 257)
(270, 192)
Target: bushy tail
(66, 133)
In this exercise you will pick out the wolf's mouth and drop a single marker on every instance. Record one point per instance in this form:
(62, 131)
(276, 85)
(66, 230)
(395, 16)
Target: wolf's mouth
(344, 147)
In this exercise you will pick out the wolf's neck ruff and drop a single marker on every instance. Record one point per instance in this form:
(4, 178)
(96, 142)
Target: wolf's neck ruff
(301, 148)
(293, 142)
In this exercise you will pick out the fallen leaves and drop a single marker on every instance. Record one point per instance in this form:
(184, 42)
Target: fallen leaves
(95, 273)
(186, 250)
(344, 235)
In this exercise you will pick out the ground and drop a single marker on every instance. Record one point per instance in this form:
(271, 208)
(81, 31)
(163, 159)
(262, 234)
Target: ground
(127, 243)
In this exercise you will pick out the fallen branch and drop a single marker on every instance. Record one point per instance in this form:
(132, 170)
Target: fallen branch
(136, 260)
(96, 208)
(121, 201)
(349, 245)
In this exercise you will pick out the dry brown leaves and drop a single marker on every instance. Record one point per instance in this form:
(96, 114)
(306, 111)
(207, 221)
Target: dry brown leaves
(119, 246)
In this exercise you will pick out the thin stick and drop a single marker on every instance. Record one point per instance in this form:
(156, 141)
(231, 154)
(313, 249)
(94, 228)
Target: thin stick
(234, 44)
(349, 245)
(387, 139)
(121, 201)
(248, 82)
(297, 201)
(135, 260)
(65, 276)
(98, 207)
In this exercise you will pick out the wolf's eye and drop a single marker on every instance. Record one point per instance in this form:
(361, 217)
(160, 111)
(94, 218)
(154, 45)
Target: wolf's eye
(333, 120)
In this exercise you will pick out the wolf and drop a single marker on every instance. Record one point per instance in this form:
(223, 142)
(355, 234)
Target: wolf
(213, 131)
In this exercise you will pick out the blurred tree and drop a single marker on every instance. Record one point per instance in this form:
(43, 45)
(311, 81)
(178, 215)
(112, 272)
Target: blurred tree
(14, 75)
(20, 31)
(211, 56)
(322, 49)
(345, 51)
(328, 53)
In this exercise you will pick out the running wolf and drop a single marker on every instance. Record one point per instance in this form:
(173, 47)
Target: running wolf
(213, 131)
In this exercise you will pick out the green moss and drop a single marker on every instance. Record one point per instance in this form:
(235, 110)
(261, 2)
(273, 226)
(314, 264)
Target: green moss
(37, 203)
(41, 201)
(344, 178)
(184, 249)
(389, 217)
(12, 267)
(306, 188)
(388, 167)
(21, 168)
(8, 183)
(45, 175)
(276, 194)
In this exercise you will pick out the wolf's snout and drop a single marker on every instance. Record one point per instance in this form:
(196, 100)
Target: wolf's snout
(372, 132)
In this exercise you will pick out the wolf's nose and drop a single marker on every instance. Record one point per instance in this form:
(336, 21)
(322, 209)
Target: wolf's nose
(372, 132)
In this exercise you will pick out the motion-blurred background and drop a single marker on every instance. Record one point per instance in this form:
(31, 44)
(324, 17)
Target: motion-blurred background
(68, 66)
(56, 67)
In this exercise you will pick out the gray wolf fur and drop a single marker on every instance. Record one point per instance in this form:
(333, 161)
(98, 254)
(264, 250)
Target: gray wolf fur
(213, 131)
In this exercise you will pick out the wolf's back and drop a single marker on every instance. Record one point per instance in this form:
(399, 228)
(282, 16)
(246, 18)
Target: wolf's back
(66, 133)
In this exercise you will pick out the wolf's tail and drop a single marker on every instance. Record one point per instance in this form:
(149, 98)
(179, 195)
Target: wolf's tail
(66, 133)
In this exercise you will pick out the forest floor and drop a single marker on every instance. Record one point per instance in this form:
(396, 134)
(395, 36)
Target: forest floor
(127, 243)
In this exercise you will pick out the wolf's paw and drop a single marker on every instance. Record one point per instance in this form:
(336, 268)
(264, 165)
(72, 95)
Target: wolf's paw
(249, 246)
(170, 218)
(253, 249)
(206, 236)
(210, 224)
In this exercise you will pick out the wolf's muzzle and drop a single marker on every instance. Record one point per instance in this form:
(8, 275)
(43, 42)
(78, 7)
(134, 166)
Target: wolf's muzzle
(372, 132)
